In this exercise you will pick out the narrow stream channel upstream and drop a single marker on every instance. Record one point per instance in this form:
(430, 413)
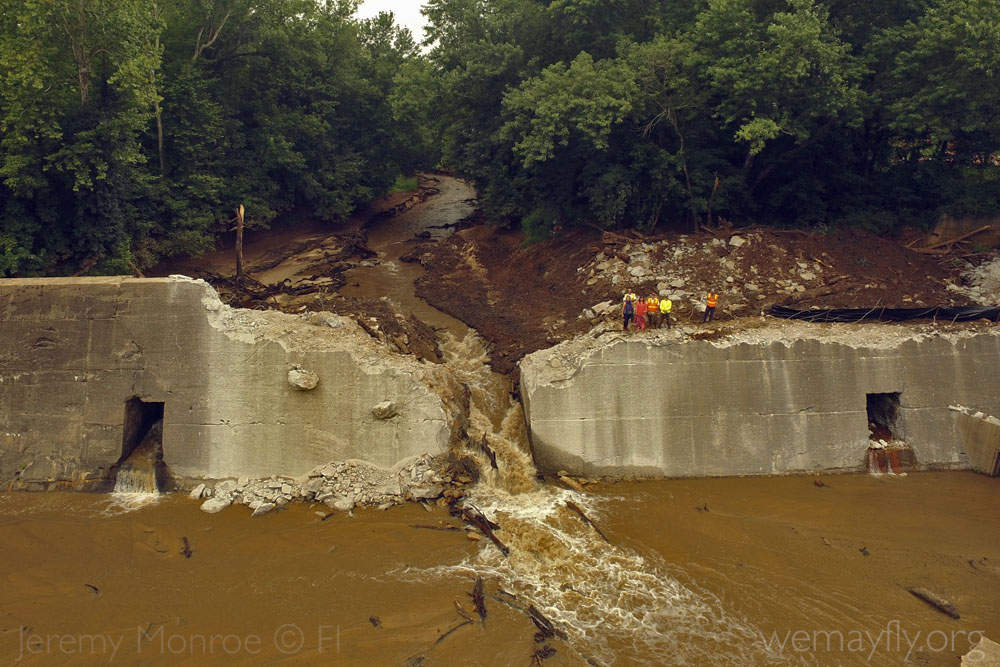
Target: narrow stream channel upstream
(738, 571)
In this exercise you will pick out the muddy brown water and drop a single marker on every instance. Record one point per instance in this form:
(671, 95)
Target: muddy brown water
(749, 571)
(771, 557)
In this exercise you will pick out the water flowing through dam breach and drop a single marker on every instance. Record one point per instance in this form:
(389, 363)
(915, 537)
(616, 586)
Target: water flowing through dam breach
(608, 599)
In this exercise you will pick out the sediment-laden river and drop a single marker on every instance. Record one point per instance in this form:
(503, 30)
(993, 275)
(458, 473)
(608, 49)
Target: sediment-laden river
(773, 561)
(759, 571)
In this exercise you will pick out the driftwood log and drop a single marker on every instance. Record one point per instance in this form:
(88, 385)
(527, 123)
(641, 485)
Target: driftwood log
(935, 600)
(479, 520)
(576, 508)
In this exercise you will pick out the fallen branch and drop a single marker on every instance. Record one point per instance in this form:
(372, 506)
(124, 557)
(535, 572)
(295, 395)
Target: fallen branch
(460, 625)
(823, 290)
(485, 447)
(962, 237)
(544, 625)
(479, 520)
(510, 603)
(461, 611)
(186, 551)
(452, 529)
(576, 508)
(935, 601)
(477, 599)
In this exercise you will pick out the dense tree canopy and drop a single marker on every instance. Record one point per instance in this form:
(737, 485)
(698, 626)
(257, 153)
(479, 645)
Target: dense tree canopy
(132, 129)
(784, 111)
(129, 130)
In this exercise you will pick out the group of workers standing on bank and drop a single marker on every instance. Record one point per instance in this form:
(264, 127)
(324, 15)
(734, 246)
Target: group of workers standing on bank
(653, 311)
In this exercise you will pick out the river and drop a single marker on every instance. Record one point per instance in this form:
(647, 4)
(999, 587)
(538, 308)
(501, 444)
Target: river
(752, 571)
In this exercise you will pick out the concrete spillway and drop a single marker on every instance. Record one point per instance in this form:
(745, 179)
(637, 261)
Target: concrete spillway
(790, 397)
(241, 393)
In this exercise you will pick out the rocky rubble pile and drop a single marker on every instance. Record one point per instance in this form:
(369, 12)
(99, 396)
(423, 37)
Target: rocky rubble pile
(981, 284)
(341, 485)
(685, 268)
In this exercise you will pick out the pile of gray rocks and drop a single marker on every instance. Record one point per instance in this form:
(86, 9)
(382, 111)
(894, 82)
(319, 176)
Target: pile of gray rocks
(341, 485)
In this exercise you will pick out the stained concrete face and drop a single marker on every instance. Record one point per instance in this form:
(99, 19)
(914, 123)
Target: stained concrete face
(981, 438)
(788, 399)
(74, 351)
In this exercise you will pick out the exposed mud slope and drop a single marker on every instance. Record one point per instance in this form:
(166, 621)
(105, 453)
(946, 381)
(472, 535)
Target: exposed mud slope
(519, 298)
(301, 269)
(523, 299)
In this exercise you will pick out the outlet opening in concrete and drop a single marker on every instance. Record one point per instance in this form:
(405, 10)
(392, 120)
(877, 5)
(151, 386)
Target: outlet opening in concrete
(883, 416)
(140, 416)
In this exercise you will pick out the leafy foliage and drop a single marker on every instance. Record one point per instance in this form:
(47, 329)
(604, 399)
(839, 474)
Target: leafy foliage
(780, 111)
(131, 129)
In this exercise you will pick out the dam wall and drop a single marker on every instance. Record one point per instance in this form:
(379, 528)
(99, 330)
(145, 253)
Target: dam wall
(789, 397)
(84, 363)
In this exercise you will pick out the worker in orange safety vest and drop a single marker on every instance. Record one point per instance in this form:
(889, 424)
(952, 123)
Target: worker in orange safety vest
(653, 305)
(710, 303)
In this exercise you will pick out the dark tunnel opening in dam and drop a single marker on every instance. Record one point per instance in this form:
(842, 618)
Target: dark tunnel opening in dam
(141, 463)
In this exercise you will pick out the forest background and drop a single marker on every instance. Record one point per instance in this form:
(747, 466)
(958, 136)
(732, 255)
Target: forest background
(131, 129)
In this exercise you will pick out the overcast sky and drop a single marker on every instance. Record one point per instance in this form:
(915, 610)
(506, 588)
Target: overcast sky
(407, 13)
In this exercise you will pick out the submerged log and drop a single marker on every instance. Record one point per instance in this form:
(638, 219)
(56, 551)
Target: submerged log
(460, 625)
(935, 601)
(576, 508)
(452, 529)
(186, 551)
(477, 599)
(544, 625)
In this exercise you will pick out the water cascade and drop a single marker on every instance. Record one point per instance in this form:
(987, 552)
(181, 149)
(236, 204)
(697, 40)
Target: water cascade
(612, 602)
(136, 483)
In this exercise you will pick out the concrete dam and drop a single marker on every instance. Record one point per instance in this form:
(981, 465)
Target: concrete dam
(88, 366)
(786, 398)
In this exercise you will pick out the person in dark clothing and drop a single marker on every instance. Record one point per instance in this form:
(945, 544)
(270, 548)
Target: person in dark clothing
(628, 311)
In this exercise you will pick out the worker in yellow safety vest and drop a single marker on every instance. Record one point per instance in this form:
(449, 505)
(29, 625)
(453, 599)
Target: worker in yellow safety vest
(710, 303)
(653, 304)
(666, 305)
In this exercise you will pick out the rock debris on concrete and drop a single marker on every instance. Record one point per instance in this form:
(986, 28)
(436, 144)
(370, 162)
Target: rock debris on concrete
(340, 485)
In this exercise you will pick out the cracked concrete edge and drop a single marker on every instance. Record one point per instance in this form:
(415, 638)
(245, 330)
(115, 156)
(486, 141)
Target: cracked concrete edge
(311, 332)
(558, 364)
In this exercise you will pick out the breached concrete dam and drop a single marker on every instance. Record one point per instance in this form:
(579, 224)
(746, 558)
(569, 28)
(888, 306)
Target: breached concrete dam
(786, 398)
(87, 364)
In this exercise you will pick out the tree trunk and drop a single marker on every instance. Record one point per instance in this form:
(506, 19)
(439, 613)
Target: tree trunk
(159, 138)
(239, 243)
